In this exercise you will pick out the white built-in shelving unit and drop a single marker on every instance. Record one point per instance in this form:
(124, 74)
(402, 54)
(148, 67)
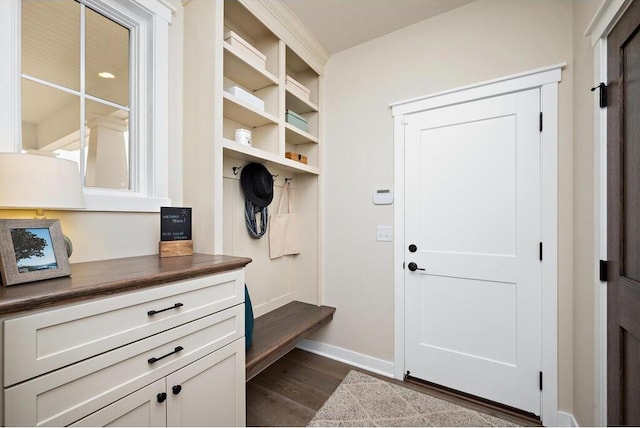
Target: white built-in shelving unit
(213, 160)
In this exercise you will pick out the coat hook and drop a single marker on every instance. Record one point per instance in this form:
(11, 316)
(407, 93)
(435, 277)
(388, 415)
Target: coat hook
(236, 169)
(274, 176)
(287, 179)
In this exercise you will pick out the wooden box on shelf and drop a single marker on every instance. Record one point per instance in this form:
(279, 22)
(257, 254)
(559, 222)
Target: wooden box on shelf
(296, 157)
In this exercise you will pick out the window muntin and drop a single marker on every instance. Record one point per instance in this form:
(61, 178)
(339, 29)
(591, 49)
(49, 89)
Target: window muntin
(76, 89)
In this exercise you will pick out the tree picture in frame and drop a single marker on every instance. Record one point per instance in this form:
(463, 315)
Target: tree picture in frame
(32, 250)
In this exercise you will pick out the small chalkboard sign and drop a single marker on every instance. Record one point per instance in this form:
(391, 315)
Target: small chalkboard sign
(175, 224)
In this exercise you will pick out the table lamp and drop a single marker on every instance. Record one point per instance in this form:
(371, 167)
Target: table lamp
(40, 182)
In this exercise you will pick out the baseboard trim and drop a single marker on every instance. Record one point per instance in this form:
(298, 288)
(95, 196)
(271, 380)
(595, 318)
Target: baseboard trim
(362, 361)
(566, 420)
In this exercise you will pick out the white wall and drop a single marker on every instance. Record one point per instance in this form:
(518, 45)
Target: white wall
(483, 40)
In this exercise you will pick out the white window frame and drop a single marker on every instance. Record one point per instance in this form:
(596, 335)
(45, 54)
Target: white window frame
(149, 22)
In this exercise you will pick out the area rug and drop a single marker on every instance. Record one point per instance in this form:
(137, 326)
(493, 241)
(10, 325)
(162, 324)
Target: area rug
(363, 400)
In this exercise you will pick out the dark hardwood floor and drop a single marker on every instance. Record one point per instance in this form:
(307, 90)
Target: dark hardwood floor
(292, 390)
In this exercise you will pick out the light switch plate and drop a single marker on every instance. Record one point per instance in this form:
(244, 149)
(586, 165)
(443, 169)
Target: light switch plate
(384, 233)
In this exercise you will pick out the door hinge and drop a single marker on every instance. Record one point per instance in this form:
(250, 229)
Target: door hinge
(603, 94)
(604, 270)
(540, 251)
(403, 265)
(540, 121)
(540, 381)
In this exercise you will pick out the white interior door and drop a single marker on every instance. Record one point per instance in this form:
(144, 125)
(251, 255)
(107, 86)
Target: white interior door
(473, 212)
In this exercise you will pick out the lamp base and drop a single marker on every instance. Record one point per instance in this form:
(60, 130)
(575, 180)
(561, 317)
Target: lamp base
(68, 245)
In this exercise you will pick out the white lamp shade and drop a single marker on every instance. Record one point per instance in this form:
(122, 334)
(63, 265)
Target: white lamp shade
(32, 181)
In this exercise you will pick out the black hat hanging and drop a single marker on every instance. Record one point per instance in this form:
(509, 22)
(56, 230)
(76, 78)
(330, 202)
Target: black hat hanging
(257, 184)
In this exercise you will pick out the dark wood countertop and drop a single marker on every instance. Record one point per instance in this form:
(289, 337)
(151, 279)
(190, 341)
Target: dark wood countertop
(100, 278)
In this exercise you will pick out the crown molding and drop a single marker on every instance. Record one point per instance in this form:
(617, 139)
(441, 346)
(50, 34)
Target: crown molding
(288, 27)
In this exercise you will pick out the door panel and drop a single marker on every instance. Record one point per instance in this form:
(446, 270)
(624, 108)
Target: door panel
(623, 218)
(459, 175)
(473, 315)
(631, 170)
(458, 298)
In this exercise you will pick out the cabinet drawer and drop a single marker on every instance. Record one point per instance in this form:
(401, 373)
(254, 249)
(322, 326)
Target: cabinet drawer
(42, 342)
(67, 395)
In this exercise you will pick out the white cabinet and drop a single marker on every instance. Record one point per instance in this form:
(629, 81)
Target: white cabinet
(105, 361)
(191, 396)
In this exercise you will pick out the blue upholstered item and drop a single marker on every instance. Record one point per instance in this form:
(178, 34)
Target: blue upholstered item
(248, 319)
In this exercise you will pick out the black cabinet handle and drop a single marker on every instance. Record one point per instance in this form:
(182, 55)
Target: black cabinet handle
(155, 359)
(176, 306)
(176, 389)
(161, 397)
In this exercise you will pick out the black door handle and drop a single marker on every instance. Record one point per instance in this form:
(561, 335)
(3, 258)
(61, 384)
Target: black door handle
(161, 397)
(413, 267)
(176, 389)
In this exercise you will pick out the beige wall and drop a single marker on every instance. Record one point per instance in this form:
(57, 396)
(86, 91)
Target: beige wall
(480, 41)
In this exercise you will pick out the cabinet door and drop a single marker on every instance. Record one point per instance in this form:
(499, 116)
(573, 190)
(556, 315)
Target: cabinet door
(210, 391)
(142, 408)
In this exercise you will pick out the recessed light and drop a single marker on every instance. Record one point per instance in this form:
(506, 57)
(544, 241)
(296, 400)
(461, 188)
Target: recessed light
(106, 75)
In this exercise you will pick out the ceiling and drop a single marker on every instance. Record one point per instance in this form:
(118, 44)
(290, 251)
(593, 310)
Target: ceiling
(341, 24)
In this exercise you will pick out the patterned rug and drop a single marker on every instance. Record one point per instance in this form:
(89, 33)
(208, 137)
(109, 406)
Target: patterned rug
(362, 400)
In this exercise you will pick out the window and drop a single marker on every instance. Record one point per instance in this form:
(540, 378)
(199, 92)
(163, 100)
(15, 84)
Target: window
(90, 80)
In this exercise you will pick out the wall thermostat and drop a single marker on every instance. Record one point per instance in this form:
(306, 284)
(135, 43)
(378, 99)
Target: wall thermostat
(383, 197)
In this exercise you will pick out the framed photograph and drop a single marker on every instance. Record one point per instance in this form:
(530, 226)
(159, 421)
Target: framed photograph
(31, 250)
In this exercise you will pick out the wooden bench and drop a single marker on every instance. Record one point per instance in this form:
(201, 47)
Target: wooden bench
(277, 332)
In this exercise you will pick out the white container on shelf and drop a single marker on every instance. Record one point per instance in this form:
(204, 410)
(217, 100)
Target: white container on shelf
(245, 50)
(297, 89)
(242, 136)
(246, 96)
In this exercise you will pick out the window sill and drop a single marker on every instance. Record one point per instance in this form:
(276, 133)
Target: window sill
(98, 201)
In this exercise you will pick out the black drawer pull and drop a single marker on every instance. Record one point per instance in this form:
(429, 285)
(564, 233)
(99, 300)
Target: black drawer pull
(161, 397)
(176, 306)
(175, 350)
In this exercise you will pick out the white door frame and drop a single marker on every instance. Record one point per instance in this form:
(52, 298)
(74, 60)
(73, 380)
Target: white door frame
(598, 30)
(547, 79)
